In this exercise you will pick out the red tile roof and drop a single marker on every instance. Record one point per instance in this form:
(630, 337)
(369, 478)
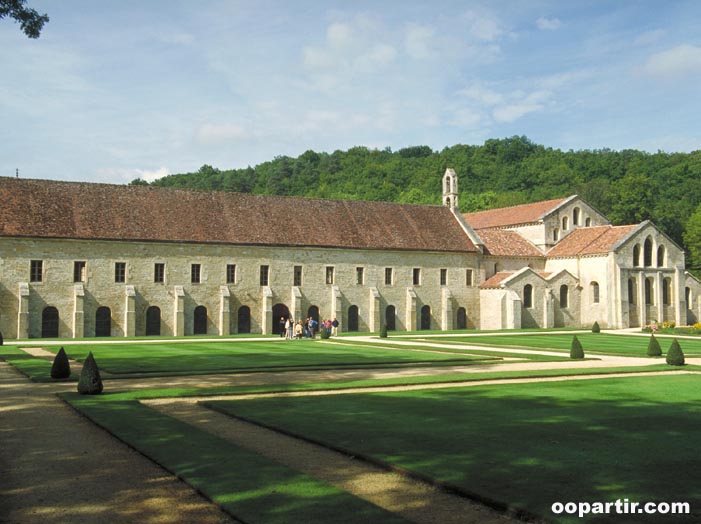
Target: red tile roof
(496, 279)
(50, 209)
(507, 243)
(590, 241)
(511, 216)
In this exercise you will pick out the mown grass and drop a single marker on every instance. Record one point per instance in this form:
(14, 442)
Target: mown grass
(36, 368)
(528, 445)
(248, 486)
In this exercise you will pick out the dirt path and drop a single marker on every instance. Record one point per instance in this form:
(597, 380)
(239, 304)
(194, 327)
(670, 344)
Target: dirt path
(58, 468)
(414, 500)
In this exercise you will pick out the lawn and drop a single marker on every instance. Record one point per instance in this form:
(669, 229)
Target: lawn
(528, 445)
(626, 345)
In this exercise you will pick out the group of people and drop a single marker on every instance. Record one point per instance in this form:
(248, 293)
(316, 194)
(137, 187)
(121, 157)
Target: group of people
(307, 328)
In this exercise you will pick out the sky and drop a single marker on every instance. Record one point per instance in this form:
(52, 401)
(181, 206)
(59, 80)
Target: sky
(117, 90)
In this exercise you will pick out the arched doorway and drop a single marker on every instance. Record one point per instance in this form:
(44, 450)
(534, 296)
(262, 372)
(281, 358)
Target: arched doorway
(353, 318)
(426, 317)
(153, 321)
(462, 318)
(280, 311)
(391, 318)
(244, 319)
(313, 312)
(49, 322)
(200, 321)
(103, 322)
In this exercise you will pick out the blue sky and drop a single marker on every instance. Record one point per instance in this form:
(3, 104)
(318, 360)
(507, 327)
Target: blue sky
(115, 90)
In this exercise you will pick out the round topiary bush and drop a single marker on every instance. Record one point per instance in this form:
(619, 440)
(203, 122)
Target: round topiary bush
(324, 333)
(576, 351)
(653, 348)
(595, 328)
(675, 356)
(383, 331)
(90, 382)
(61, 368)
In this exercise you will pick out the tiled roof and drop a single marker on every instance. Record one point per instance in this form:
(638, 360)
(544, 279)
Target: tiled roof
(590, 241)
(507, 243)
(496, 279)
(42, 208)
(511, 216)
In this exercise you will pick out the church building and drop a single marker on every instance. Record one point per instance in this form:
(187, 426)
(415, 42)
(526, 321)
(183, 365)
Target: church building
(95, 260)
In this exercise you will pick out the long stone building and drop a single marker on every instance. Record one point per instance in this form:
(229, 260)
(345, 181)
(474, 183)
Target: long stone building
(83, 260)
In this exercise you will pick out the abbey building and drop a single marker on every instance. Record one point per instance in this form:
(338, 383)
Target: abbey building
(83, 260)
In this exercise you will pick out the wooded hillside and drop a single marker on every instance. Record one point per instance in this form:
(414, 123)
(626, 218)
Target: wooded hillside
(628, 186)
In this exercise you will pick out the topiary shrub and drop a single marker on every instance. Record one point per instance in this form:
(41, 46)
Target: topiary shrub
(61, 368)
(2, 340)
(383, 331)
(90, 382)
(324, 333)
(675, 356)
(653, 348)
(576, 351)
(595, 328)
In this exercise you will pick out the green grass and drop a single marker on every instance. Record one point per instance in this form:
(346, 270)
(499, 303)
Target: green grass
(248, 486)
(225, 357)
(527, 444)
(630, 346)
(38, 369)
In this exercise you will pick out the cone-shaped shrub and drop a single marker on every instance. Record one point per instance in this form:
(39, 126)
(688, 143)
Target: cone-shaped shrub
(653, 348)
(383, 331)
(324, 333)
(595, 328)
(576, 350)
(90, 382)
(675, 356)
(61, 368)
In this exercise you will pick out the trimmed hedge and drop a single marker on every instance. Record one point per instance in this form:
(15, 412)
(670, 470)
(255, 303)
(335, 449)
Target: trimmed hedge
(576, 351)
(383, 331)
(653, 348)
(675, 355)
(90, 382)
(595, 328)
(61, 368)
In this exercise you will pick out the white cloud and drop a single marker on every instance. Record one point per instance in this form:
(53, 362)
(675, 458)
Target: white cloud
(548, 24)
(484, 26)
(512, 112)
(649, 37)
(683, 60)
(417, 40)
(116, 174)
(218, 133)
(481, 93)
(151, 175)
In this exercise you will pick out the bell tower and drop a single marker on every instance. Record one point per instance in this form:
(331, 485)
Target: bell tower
(450, 189)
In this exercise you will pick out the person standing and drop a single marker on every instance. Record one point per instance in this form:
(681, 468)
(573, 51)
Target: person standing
(334, 326)
(282, 327)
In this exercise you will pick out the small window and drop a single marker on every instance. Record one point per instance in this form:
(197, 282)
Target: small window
(528, 296)
(631, 290)
(595, 292)
(587, 222)
(647, 256)
(36, 270)
(329, 274)
(360, 276)
(660, 256)
(649, 296)
(468, 278)
(264, 275)
(297, 279)
(636, 255)
(120, 272)
(556, 235)
(565, 223)
(667, 291)
(575, 216)
(231, 273)
(416, 278)
(159, 272)
(444, 277)
(79, 271)
(196, 273)
(388, 276)
(564, 296)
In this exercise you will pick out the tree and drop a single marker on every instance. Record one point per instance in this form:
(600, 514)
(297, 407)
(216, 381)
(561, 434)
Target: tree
(595, 328)
(90, 382)
(692, 238)
(61, 368)
(576, 351)
(653, 348)
(675, 356)
(29, 20)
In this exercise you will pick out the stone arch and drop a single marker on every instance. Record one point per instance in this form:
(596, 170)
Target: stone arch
(594, 292)
(313, 312)
(391, 318)
(528, 296)
(661, 256)
(636, 255)
(564, 296)
(425, 317)
(576, 213)
(153, 321)
(199, 321)
(243, 320)
(647, 252)
(49, 322)
(103, 322)
(353, 318)
(280, 311)
(462, 318)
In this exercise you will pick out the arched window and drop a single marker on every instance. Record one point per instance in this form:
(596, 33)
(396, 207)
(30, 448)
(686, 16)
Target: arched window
(528, 296)
(631, 291)
(565, 223)
(280, 315)
(426, 317)
(244, 319)
(649, 295)
(667, 291)
(556, 235)
(153, 321)
(103, 322)
(49, 322)
(313, 312)
(595, 292)
(575, 216)
(200, 321)
(462, 318)
(564, 296)
(660, 256)
(353, 318)
(587, 222)
(687, 297)
(647, 256)
(391, 318)
(636, 255)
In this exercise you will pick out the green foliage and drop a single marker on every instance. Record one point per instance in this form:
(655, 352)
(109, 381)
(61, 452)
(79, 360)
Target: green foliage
(653, 348)
(692, 238)
(29, 20)
(595, 328)
(675, 355)
(90, 382)
(383, 331)
(576, 351)
(2, 340)
(61, 368)
(324, 333)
